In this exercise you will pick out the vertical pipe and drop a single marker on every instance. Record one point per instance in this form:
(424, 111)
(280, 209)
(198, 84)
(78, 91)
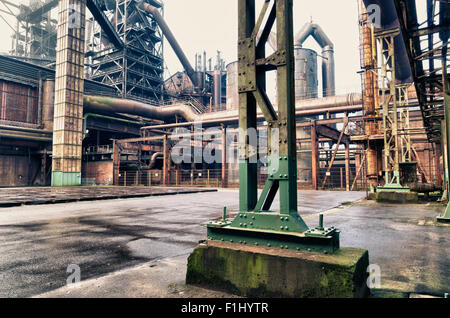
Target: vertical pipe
(314, 155)
(347, 166)
(116, 162)
(165, 159)
(204, 61)
(369, 97)
(218, 89)
(224, 158)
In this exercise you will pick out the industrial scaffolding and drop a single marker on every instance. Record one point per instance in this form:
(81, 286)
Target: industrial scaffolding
(34, 32)
(133, 64)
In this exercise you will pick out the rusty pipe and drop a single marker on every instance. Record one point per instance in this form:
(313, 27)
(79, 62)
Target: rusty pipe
(424, 187)
(155, 157)
(328, 64)
(110, 105)
(172, 40)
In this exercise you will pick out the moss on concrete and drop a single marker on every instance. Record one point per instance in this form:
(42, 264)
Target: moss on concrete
(383, 293)
(397, 197)
(263, 272)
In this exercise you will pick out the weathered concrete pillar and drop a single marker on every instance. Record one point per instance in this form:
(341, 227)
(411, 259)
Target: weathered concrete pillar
(69, 86)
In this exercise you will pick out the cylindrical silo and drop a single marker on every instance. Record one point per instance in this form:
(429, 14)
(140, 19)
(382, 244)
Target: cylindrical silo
(232, 86)
(306, 83)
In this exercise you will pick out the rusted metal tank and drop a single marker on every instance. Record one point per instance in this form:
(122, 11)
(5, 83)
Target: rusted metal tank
(48, 102)
(232, 86)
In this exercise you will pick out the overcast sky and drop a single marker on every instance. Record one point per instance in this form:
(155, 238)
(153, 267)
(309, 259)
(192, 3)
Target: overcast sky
(211, 25)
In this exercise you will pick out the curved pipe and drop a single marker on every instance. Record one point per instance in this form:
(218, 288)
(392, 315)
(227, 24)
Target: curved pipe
(314, 30)
(328, 66)
(390, 20)
(155, 157)
(109, 105)
(172, 40)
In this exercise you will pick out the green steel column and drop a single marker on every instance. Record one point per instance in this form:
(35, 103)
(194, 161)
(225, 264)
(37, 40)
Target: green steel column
(446, 93)
(444, 159)
(256, 224)
(248, 173)
(286, 111)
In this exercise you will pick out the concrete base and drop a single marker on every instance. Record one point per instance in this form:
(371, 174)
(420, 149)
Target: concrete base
(397, 197)
(443, 219)
(253, 271)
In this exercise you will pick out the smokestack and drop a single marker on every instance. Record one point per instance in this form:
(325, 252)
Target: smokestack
(218, 89)
(204, 61)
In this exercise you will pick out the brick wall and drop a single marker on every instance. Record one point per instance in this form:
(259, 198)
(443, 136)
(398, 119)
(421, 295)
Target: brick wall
(98, 172)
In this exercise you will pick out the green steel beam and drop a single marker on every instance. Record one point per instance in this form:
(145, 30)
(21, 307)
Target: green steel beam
(256, 224)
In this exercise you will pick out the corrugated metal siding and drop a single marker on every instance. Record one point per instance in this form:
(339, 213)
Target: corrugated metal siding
(18, 103)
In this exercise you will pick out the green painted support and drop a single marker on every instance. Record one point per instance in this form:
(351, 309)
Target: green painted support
(256, 224)
(66, 179)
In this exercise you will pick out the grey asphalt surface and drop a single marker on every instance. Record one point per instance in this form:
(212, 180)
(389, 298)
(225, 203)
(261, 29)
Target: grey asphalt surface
(39, 242)
(102, 237)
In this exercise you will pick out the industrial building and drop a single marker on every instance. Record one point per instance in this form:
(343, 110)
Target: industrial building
(86, 102)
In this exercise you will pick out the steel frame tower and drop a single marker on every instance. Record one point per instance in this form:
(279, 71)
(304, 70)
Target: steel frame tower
(34, 35)
(136, 69)
(390, 98)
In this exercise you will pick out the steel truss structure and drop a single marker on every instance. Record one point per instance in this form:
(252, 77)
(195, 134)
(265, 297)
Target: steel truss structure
(133, 63)
(34, 34)
(427, 47)
(427, 43)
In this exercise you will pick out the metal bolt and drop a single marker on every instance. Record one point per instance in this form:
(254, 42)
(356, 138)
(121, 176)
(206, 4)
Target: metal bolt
(320, 221)
(224, 216)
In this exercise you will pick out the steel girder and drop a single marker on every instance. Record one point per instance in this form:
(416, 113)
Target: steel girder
(256, 223)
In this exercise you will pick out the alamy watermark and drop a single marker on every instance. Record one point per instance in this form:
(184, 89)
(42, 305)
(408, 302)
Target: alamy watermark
(374, 15)
(73, 280)
(374, 279)
(74, 18)
(206, 146)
